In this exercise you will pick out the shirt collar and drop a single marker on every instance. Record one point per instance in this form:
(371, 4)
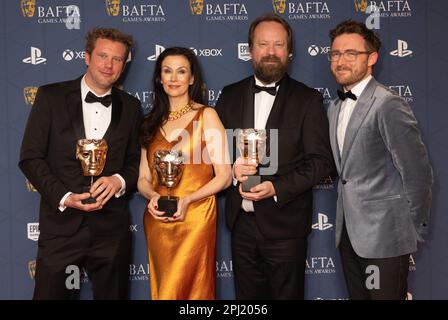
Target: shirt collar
(85, 89)
(261, 84)
(359, 88)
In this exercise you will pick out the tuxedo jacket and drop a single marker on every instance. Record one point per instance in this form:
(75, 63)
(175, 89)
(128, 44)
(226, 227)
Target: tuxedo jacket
(384, 190)
(48, 157)
(304, 154)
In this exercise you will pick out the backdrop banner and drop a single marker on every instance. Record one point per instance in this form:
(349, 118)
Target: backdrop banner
(43, 42)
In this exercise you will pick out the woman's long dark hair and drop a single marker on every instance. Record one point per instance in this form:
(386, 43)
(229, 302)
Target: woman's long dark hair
(158, 116)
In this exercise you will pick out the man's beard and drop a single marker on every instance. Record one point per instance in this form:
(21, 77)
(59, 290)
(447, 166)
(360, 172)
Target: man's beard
(269, 73)
(353, 78)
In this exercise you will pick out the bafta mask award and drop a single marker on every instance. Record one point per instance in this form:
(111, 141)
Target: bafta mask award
(169, 167)
(251, 144)
(92, 155)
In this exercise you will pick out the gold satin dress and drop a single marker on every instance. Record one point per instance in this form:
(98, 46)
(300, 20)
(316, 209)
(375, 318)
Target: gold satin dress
(182, 254)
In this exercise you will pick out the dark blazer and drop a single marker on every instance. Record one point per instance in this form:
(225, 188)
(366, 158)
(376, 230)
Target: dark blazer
(304, 154)
(48, 160)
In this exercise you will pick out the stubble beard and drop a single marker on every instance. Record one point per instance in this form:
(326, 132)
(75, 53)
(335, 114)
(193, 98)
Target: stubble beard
(269, 73)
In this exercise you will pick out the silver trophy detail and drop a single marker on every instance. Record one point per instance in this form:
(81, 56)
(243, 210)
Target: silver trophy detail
(251, 144)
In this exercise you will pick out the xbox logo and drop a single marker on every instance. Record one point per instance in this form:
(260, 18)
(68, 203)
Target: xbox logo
(313, 50)
(68, 55)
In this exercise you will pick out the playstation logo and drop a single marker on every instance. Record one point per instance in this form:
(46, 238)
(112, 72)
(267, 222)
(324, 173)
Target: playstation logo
(402, 49)
(159, 50)
(322, 222)
(35, 58)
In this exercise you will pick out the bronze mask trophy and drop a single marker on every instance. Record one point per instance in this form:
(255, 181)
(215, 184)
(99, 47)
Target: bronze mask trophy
(251, 144)
(92, 155)
(169, 167)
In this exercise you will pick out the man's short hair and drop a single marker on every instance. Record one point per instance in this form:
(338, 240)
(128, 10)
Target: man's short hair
(373, 42)
(109, 34)
(274, 18)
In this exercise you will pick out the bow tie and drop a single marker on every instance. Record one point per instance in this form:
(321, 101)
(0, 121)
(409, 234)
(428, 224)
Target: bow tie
(105, 101)
(271, 90)
(345, 95)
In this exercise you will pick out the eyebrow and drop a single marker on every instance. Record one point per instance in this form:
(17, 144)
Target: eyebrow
(181, 67)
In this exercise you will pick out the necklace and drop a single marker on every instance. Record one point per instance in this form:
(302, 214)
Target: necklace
(174, 115)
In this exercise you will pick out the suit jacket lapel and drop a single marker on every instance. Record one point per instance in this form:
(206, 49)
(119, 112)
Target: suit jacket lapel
(278, 107)
(248, 106)
(117, 108)
(360, 111)
(277, 110)
(334, 116)
(74, 105)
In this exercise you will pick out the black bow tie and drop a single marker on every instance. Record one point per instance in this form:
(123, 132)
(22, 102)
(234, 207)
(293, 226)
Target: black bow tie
(271, 90)
(105, 101)
(346, 95)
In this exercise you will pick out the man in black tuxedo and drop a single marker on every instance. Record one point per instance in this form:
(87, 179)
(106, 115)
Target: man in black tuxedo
(270, 224)
(93, 236)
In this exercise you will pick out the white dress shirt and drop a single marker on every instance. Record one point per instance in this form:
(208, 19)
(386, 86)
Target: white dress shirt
(96, 119)
(347, 107)
(263, 103)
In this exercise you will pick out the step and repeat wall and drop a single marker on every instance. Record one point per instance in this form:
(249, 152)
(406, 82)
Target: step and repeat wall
(43, 42)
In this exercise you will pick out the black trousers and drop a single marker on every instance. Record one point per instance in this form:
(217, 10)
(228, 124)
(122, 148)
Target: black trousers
(391, 283)
(263, 268)
(105, 259)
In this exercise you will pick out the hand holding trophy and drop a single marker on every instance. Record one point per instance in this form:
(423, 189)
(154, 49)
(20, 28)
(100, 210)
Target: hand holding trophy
(92, 155)
(169, 167)
(251, 144)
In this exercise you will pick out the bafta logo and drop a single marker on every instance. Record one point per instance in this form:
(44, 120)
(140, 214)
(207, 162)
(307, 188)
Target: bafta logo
(326, 180)
(169, 165)
(251, 144)
(196, 6)
(28, 7)
(360, 5)
(92, 154)
(32, 268)
(29, 93)
(113, 7)
(30, 187)
(279, 6)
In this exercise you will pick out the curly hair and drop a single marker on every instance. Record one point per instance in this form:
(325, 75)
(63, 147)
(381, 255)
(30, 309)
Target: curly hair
(109, 34)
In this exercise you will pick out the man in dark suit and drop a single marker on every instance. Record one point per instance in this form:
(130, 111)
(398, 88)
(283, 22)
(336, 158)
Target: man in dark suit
(74, 235)
(270, 224)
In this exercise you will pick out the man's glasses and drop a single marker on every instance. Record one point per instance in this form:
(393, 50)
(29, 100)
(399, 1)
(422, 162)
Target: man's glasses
(349, 55)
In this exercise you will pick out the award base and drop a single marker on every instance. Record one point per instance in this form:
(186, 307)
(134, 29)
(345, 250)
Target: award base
(251, 181)
(89, 200)
(168, 205)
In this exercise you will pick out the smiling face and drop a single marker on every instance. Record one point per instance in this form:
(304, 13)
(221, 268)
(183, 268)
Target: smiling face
(176, 76)
(105, 64)
(270, 51)
(349, 73)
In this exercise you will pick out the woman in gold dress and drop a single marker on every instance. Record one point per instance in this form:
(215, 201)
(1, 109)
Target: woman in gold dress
(181, 248)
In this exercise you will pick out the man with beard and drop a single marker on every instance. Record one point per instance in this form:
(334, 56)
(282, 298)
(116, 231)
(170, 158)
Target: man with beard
(384, 191)
(270, 224)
